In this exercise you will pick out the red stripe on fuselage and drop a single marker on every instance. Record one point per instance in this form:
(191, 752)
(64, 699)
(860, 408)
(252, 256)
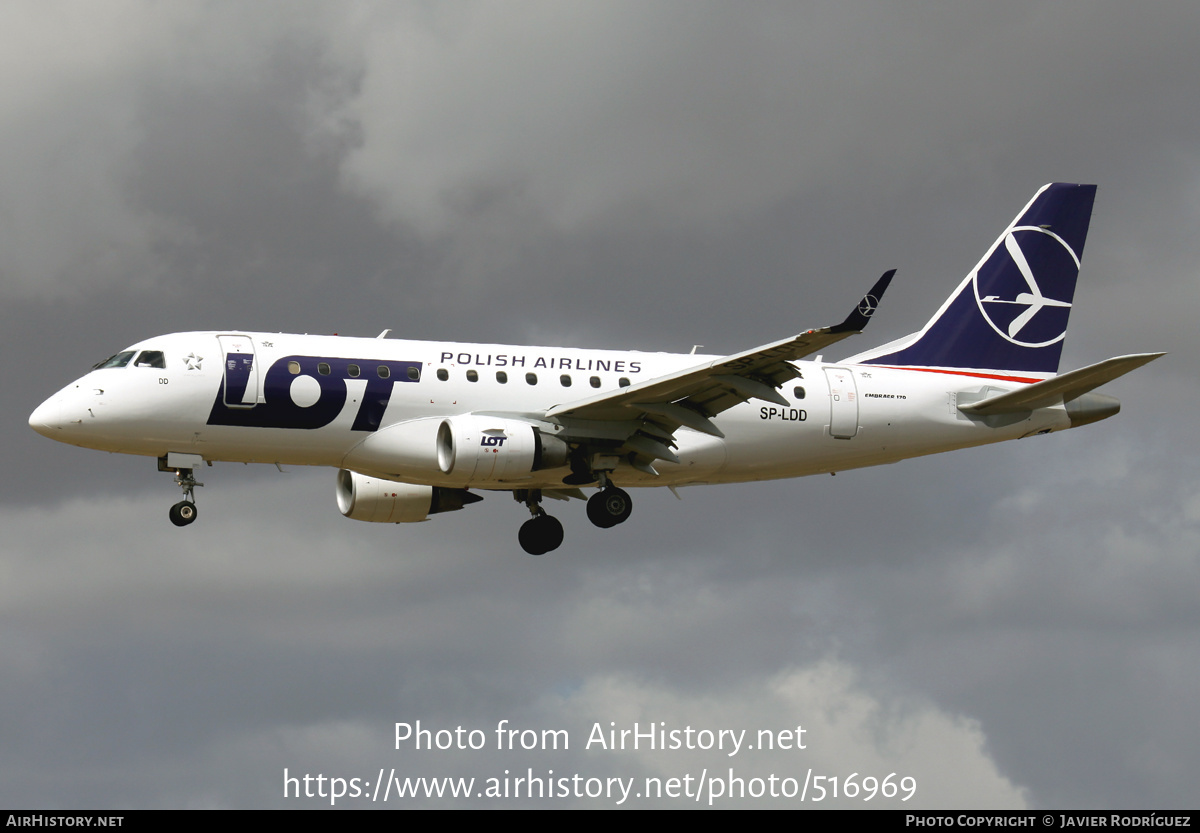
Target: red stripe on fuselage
(1022, 379)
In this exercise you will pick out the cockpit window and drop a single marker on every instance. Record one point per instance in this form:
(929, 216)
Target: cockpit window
(119, 360)
(151, 358)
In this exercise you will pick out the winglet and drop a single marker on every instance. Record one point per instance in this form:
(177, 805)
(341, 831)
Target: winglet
(857, 320)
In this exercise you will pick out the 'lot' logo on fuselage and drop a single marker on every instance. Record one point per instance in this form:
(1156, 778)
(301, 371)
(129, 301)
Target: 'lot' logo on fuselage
(308, 391)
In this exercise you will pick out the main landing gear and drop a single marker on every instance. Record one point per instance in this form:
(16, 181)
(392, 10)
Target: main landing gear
(541, 533)
(609, 506)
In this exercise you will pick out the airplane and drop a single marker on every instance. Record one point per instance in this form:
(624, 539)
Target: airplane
(419, 428)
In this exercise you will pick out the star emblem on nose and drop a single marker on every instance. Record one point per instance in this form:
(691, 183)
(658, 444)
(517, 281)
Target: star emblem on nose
(193, 361)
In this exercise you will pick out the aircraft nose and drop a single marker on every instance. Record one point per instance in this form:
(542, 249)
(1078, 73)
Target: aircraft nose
(54, 415)
(46, 418)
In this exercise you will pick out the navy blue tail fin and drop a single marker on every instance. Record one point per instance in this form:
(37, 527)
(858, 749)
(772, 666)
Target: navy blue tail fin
(1010, 313)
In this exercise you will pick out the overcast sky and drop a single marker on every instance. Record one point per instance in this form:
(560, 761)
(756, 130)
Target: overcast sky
(1013, 626)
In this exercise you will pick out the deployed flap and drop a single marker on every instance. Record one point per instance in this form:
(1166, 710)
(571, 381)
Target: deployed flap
(689, 397)
(564, 494)
(1062, 388)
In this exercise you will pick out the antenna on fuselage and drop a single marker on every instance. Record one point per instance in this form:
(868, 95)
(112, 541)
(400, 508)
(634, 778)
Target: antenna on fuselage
(384, 334)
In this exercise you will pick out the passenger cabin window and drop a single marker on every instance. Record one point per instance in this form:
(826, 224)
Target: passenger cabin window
(323, 368)
(119, 360)
(624, 382)
(502, 377)
(414, 373)
(566, 380)
(531, 378)
(443, 374)
(798, 392)
(595, 380)
(472, 376)
(383, 371)
(151, 358)
(352, 370)
(294, 368)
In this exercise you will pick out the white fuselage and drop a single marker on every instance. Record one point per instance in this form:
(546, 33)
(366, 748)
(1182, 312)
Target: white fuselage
(333, 396)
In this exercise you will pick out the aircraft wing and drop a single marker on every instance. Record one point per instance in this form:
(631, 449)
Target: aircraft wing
(692, 396)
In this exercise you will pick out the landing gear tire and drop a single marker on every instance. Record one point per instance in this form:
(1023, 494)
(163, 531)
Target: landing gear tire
(183, 513)
(609, 507)
(540, 535)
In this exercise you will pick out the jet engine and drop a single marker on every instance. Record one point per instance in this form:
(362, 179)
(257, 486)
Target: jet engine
(365, 498)
(483, 448)
(467, 449)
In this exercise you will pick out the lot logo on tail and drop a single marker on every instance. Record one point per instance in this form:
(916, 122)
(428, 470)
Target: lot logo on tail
(1010, 313)
(1024, 289)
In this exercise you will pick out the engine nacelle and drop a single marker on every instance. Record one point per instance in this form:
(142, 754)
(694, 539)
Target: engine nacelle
(365, 498)
(463, 450)
(488, 449)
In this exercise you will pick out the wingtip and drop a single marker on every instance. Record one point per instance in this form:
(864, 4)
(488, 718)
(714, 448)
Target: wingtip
(882, 284)
(861, 314)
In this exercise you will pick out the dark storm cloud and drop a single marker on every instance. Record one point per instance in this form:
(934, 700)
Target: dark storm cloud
(1011, 624)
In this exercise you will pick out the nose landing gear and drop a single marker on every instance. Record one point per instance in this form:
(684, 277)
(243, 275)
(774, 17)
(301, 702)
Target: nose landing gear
(184, 466)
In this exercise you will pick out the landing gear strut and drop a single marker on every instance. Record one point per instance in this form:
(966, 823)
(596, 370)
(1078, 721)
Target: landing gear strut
(542, 533)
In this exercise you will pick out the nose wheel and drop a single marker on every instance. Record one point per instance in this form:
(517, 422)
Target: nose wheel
(183, 513)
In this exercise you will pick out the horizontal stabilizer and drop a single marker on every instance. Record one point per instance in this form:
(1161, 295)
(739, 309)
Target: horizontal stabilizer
(1062, 388)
